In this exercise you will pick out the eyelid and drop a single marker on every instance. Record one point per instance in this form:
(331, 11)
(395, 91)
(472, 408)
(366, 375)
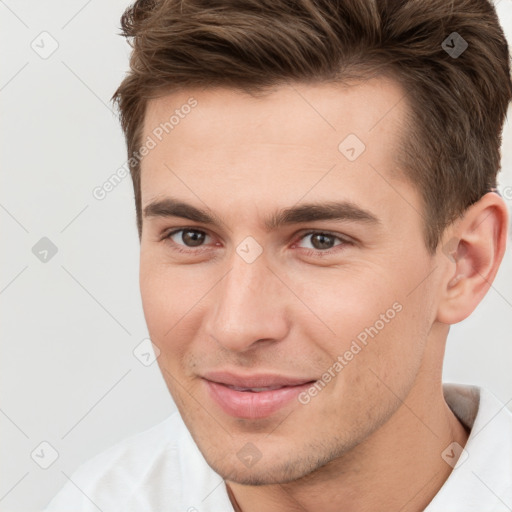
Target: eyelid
(166, 233)
(340, 236)
(318, 253)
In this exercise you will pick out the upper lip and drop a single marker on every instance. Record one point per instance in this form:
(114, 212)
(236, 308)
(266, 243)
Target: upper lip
(259, 380)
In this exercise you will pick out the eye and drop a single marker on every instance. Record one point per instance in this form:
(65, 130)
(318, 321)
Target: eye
(193, 241)
(186, 238)
(322, 242)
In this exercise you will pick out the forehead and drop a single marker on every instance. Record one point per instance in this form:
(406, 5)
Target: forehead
(279, 146)
(291, 113)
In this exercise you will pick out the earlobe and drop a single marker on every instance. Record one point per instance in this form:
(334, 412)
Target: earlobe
(472, 256)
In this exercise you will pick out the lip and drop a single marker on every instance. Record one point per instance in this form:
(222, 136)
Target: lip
(250, 404)
(259, 380)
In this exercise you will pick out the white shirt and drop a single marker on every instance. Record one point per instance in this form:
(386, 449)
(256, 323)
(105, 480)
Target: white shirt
(162, 470)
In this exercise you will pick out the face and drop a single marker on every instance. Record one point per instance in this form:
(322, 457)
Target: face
(283, 271)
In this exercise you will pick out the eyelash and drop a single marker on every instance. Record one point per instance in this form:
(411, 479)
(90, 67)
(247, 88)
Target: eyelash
(308, 252)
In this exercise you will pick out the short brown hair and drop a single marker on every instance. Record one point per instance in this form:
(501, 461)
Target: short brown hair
(458, 102)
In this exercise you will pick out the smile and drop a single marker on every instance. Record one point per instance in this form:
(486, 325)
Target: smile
(253, 397)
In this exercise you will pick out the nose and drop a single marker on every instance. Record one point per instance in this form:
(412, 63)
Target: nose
(249, 306)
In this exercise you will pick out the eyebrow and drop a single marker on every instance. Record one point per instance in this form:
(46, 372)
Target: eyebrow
(308, 212)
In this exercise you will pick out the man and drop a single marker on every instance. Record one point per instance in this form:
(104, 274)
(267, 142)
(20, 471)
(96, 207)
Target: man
(315, 189)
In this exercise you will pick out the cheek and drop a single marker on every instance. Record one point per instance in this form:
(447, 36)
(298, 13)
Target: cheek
(167, 292)
(163, 303)
(374, 378)
(380, 329)
(391, 353)
(162, 311)
(173, 300)
(157, 302)
(355, 306)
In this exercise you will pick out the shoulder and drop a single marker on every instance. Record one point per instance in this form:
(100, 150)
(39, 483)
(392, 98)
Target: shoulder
(146, 471)
(131, 454)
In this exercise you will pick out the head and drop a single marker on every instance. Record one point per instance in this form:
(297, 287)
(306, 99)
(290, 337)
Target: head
(313, 189)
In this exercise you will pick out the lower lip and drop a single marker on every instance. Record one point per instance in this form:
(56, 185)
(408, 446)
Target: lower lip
(253, 405)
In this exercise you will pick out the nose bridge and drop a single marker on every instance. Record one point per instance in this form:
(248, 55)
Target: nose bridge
(249, 304)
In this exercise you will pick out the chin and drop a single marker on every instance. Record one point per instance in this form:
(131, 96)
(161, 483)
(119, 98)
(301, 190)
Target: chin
(263, 475)
(266, 472)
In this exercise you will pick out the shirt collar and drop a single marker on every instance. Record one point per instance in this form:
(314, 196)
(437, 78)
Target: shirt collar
(482, 477)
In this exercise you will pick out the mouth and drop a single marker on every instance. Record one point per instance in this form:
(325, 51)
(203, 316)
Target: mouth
(253, 396)
(255, 390)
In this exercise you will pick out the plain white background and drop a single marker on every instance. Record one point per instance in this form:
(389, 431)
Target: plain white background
(68, 373)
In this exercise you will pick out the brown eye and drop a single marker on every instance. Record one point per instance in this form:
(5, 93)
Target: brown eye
(321, 241)
(187, 237)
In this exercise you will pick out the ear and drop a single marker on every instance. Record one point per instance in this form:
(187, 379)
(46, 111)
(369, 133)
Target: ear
(471, 250)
